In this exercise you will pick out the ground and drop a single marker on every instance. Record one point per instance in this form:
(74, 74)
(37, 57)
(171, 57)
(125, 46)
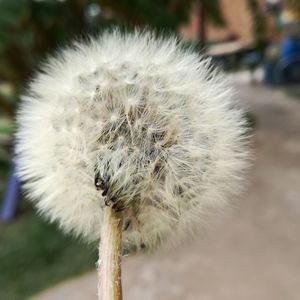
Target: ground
(253, 253)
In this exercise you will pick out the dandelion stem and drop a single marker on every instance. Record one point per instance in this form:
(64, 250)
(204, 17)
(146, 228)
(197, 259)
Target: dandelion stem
(109, 264)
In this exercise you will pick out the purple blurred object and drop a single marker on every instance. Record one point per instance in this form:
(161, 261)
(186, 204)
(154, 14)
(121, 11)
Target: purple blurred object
(11, 198)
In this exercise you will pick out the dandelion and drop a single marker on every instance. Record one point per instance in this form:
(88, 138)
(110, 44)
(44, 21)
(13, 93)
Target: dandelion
(131, 133)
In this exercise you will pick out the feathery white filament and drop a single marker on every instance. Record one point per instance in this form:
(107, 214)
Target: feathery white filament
(151, 119)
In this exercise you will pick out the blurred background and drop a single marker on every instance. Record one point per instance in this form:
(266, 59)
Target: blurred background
(252, 254)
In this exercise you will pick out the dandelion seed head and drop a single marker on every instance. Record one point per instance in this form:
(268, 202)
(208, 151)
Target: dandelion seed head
(153, 122)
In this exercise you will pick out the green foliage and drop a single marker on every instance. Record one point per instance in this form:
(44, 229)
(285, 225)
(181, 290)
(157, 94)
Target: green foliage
(165, 14)
(297, 9)
(30, 28)
(35, 255)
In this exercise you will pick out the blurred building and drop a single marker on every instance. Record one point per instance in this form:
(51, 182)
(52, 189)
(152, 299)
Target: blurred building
(238, 23)
(237, 19)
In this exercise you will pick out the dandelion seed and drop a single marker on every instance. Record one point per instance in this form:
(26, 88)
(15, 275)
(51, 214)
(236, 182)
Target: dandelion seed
(147, 122)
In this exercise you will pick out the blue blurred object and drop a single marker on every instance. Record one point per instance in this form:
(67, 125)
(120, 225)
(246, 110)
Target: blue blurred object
(290, 47)
(269, 73)
(11, 197)
(288, 70)
(253, 59)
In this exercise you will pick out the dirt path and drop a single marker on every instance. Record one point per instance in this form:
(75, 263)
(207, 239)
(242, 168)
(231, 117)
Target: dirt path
(252, 254)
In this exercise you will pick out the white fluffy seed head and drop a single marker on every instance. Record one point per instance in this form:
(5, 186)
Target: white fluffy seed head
(153, 123)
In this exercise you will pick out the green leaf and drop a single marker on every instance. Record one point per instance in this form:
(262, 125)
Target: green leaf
(12, 12)
(7, 127)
